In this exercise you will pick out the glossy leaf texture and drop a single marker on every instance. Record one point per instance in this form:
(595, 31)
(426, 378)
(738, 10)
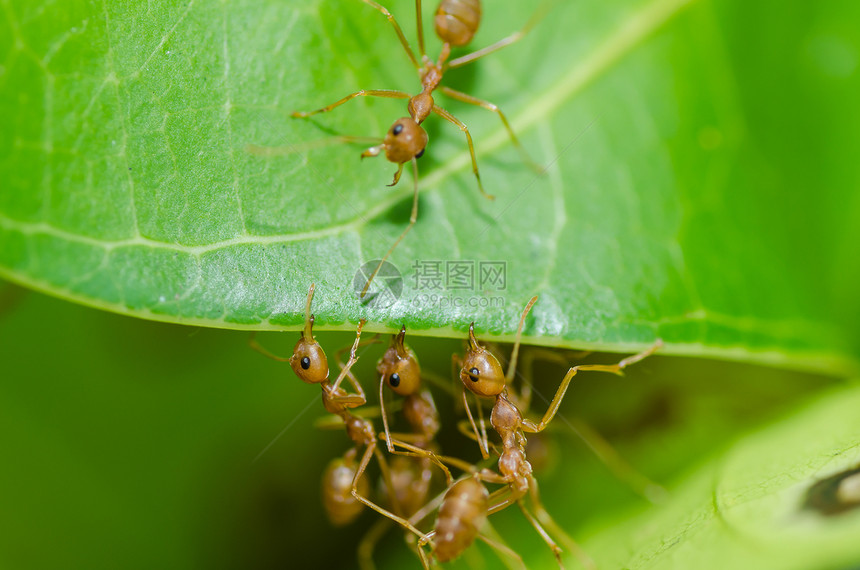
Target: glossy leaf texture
(700, 184)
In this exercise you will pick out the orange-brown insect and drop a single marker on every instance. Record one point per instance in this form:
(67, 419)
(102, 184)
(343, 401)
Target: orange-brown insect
(340, 506)
(412, 470)
(455, 22)
(463, 511)
(310, 364)
(481, 374)
(399, 370)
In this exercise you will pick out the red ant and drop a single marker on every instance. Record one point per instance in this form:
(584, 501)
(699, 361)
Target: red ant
(455, 22)
(310, 364)
(482, 374)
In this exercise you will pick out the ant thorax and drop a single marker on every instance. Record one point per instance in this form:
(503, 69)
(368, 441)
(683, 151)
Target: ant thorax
(431, 76)
(420, 411)
(359, 430)
(505, 417)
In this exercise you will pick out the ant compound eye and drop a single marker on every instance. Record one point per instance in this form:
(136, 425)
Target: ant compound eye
(473, 374)
(306, 363)
(397, 129)
(394, 380)
(420, 154)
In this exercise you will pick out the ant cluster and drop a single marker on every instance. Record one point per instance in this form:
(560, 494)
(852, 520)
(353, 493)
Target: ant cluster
(413, 458)
(465, 503)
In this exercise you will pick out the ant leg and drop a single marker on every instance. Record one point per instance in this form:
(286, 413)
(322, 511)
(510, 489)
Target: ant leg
(363, 93)
(481, 436)
(425, 562)
(500, 498)
(504, 42)
(524, 398)
(254, 344)
(415, 451)
(424, 540)
(478, 435)
(419, 24)
(466, 98)
(427, 509)
(368, 544)
(618, 368)
(387, 480)
(464, 428)
(412, 219)
(345, 369)
(452, 119)
(384, 416)
(365, 460)
(602, 449)
(512, 365)
(556, 549)
(307, 333)
(339, 352)
(464, 466)
(502, 548)
(397, 29)
(546, 520)
(456, 366)
(269, 151)
(626, 473)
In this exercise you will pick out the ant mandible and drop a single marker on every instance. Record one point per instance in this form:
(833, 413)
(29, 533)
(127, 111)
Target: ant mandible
(455, 22)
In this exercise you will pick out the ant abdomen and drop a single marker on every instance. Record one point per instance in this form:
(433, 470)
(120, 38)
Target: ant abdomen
(461, 515)
(457, 21)
(411, 478)
(340, 506)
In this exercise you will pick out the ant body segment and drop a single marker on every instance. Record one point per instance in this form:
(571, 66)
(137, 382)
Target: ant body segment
(455, 23)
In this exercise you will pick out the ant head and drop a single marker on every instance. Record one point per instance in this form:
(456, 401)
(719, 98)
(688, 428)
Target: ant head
(399, 367)
(481, 372)
(308, 360)
(404, 141)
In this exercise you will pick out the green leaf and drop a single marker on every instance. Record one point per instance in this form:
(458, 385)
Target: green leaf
(701, 181)
(751, 507)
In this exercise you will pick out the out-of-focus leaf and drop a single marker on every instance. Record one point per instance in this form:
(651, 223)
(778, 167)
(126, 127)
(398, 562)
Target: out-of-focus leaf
(760, 505)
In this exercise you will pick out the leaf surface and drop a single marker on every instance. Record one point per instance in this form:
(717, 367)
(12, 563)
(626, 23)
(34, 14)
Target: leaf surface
(751, 507)
(699, 183)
